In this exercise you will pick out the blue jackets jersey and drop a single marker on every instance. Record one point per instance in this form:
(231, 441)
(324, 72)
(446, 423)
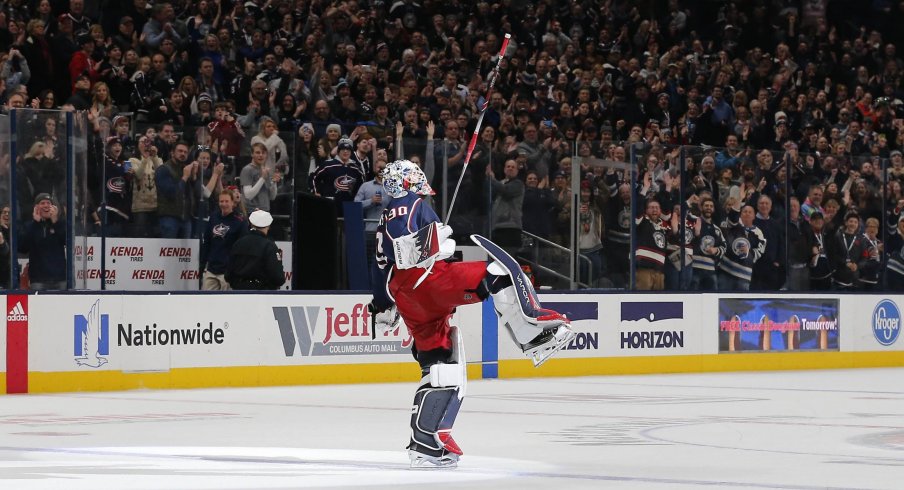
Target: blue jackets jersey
(221, 233)
(403, 216)
(337, 181)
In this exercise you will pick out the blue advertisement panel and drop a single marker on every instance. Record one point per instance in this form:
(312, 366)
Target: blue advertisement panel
(778, 324)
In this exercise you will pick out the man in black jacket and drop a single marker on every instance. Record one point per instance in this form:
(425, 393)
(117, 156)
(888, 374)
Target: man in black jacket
(255, 262)
(44, 240)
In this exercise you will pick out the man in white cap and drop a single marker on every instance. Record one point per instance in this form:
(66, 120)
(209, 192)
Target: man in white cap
(254, 261)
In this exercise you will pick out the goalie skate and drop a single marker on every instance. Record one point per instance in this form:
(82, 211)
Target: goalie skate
(425, 461)
(545, 345)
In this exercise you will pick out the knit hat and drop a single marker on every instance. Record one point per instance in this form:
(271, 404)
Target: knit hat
(42, 197)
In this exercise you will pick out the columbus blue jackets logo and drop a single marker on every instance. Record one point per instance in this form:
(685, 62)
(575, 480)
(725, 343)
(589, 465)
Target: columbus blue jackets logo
(659, 238)
(116, 185)
(741, 247)
(344, 183)
(706, 243)
(220, 230)
(624, 219)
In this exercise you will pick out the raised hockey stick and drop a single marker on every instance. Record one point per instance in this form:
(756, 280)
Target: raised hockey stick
(483, 110)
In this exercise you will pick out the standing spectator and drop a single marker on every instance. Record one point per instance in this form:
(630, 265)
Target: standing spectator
(45, 172)
(769, 270)
(618, 235)
(371, 197)
(277, 156)
(895, 257)
(144, 189)
(15, 72)
(81, 63)
(652, 240)
(745, 245)
(258, 181)
(101, 103)
(589, 240)
(813, 203)
(821, 263)
(165, 140)
(44, 240)
(223, 230)
(340, 177)
(174, 194)
(798, 249)
(539, 205)
(709, 246)
(160, 26)
(38, 54)
(507, 213)
(850, 252)
(117, 189)
(255, 262)
(538, 153)
(872, 266)
(225, 131)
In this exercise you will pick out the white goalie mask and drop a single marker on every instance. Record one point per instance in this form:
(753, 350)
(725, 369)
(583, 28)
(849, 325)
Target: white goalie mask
(402, 176)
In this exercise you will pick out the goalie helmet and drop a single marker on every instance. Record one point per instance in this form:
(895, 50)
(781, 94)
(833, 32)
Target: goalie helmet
(402, 176)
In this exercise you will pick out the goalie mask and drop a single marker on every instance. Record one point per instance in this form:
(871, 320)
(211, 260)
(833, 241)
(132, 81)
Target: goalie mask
(402, 176)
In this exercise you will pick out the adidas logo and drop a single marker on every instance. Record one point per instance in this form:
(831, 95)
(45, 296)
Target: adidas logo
(17, 314)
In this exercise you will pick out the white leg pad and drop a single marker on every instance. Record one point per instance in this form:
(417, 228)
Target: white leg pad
(509, 312)
(445, 375)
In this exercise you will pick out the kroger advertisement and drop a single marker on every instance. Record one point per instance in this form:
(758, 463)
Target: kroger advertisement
(879, 324)
(150, 264)
(160, 332)
(614, 325)
(778, 324)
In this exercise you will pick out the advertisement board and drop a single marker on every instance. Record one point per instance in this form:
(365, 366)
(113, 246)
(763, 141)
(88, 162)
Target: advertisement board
(161, 332)
(876, 322)
(612, 325)
(778, 323)
(151, 264)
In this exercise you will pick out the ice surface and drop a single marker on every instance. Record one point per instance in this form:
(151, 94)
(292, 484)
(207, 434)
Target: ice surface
(803, 430)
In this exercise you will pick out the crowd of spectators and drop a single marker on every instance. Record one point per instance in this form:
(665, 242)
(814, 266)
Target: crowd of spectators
(769, 112)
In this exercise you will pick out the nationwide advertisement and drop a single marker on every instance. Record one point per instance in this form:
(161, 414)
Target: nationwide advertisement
(778, 324)
(160, 332)
(149, 264)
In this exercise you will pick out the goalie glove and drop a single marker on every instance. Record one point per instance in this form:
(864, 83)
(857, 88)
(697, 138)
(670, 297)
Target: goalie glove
(384, 321)
(446, 244)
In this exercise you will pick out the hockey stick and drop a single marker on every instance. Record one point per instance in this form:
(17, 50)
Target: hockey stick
(483, 110)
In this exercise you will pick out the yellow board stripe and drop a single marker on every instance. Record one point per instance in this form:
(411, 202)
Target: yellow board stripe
(56, 382)
(2, 383)
(755, 361)
(244, 376)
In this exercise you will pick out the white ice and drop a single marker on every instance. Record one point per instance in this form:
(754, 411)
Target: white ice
(801, 430)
